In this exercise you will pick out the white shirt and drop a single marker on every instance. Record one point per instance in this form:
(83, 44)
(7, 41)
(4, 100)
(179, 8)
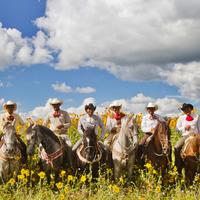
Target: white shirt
(63, 119)
(87, 121)
(4, 119)
(194, 124)
(148, 123)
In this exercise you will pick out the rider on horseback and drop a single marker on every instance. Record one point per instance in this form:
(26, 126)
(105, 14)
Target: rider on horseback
(13, 118)
(59, 121)
(187, 124)
(113, 124)
(148, 125)
(89, 120)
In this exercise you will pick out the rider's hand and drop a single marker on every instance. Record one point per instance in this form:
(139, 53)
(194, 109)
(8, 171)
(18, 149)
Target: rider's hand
(188, 127)
(113, 130)
(60, 126)
(153, 130)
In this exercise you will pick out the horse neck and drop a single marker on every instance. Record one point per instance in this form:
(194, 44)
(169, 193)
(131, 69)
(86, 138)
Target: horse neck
(123, 137)
(48, 143)
(157, 143)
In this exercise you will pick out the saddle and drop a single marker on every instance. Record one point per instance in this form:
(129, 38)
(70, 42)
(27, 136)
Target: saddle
(186, 143)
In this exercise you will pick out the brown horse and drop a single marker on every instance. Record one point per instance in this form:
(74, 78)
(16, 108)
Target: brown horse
(191, 157)
(92, 155)
(158, 149)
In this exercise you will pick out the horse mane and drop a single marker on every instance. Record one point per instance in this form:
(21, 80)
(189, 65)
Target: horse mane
(48, 132)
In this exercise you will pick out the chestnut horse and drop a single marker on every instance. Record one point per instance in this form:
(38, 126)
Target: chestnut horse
(158, 149)
(191, 157)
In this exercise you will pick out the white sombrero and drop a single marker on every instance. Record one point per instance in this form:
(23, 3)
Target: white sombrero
(152, 105)
(10, 103)
(56, 101)
(115, 104)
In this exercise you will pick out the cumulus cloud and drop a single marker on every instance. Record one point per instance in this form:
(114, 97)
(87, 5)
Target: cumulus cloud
(123, 37)
(85, 90)
(136, 104)
(16, 50)
(186, 77)
(41, 111)
(62, 87)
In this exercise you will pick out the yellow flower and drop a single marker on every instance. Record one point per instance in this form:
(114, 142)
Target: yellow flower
(62, 173)
(21, 177)
(158, 190)
(110, 187)
(70, 178)
(121, 180)
(41, 175)
(62, 197)
(115, 189)
(66, 189)
(148, 166)
(12, 181)
(59, 185)
(25, 172)
(83, 179)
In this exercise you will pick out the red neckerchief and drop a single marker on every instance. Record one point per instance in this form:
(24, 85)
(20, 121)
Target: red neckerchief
(10, 118)
(118, 116)
(56, 114)
(189, 118)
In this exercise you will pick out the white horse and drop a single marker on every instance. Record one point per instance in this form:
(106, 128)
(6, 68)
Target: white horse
(9, 153)
(124, 148)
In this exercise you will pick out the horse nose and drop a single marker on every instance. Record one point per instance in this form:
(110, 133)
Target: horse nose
(10, 150)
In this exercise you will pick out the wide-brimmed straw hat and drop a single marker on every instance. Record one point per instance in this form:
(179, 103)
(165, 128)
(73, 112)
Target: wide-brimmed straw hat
(152, 105)
(186, 105)
(90, 106)
(10, 103)
(115, 104)
(56, 101)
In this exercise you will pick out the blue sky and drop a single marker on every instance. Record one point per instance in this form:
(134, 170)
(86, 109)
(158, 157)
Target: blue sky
(113, 69)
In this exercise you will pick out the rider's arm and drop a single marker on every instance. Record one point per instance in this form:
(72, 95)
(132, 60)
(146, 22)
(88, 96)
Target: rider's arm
(144, 126)
(102, 128)
(179, 124)
(109, 124)
(80, 127)
(67, 123)
(198, 125)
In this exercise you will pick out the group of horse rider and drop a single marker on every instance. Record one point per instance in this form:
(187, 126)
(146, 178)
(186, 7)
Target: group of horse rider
(59, 121)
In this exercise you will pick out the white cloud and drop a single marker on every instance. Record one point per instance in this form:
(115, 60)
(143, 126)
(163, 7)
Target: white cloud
(61, 87)
(4, 85)
(186, 77)
(41, 111)
(125, 37)
(16, 50)
(2, 101)
(64, 88)
(85, 90)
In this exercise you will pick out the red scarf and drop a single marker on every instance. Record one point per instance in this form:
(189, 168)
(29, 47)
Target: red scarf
(56, 114)
(189, 118)
(10, 118)
(118, 116)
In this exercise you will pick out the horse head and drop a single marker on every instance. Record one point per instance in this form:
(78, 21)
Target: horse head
(89, 142)
(9, 138)
(161, 136)
(32, 138)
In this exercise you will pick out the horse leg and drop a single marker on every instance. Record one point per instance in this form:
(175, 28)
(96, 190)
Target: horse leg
(117, 169)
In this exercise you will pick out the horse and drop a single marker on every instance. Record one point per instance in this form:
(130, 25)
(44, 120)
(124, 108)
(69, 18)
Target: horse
(10, 153)
(124, 148)
(190, 155)
(92, 156)
(158, 148)
(55, 155)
